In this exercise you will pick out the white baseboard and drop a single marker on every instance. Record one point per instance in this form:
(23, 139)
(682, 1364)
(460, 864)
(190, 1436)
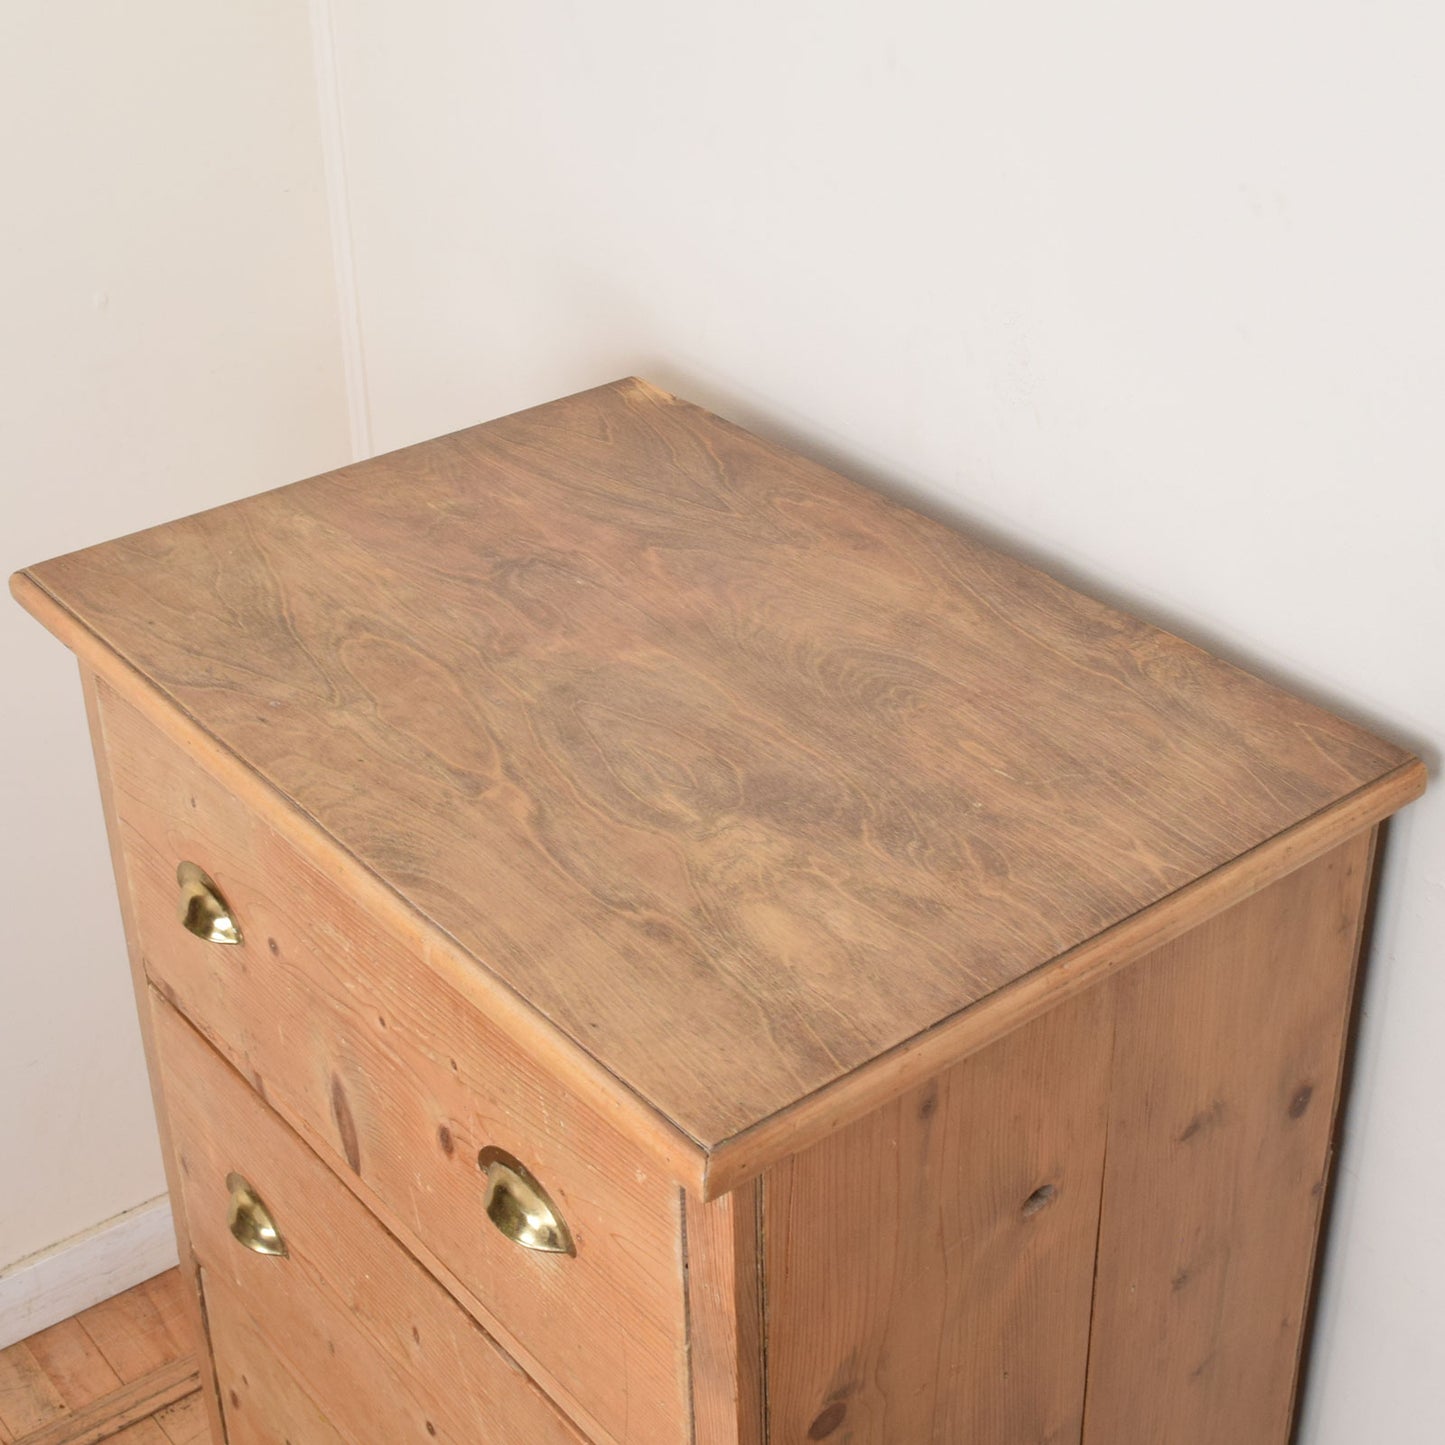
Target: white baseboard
(48, 1287)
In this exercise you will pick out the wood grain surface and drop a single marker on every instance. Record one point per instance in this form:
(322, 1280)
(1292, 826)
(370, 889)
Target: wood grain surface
(725, 1317)
(194, 1314)
(1225, 1090)
(89, 1378)
(151, 1397)
(186, 1422)
(384, 1351)
(735, 772)
(398, 1082)
(264, 1402)
(930, 1268)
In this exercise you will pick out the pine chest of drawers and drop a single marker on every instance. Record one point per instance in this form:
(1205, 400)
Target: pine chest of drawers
(643, 941)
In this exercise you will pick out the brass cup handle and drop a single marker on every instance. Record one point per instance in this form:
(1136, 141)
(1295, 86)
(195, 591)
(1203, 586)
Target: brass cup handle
(249, 1220)
(520, 1208)
(203, 908)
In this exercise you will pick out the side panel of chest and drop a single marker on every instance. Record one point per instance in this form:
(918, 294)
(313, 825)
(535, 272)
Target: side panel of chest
(1100, 1228)
(929, 1269)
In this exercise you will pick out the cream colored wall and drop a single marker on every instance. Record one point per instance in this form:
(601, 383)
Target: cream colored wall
(168, 340)
(1151, 292)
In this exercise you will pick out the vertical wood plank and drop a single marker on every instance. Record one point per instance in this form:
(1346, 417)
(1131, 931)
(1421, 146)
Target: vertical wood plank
(929, 1269)
(725, 1328)
(1227, 1072)
(191, 1291)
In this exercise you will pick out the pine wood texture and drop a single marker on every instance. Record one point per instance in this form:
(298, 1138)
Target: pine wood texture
(922, 988)
(737, 775)
(725, 1317)
(195, 1326)
(186, 1422)
(149, 1398)
(75, 1371)
(1225, 1090)
(28, 1398)
(1070, 975)
(930, 1268)
(127, 1360)
(398, 1081)
(264, 1402)
(381, 1349)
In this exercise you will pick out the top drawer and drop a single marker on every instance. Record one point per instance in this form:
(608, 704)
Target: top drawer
(400, 1082)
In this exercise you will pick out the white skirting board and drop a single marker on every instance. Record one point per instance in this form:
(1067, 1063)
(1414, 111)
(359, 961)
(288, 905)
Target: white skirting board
(48, 1287)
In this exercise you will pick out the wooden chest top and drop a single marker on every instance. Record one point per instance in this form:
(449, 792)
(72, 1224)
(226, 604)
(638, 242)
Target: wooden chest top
(741, 776)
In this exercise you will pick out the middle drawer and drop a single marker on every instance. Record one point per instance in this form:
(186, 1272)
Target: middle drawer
(343, 1323)
(399, 1082)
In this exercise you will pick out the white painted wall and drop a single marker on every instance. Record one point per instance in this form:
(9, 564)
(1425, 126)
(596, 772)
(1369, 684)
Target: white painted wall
(1151, 292)
(168, 340)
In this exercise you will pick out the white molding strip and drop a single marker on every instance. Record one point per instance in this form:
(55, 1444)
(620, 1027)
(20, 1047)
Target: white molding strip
(338, 204)
(48, 1287)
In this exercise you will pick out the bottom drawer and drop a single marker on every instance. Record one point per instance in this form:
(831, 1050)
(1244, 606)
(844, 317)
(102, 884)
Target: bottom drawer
(341, 1336)
(263, 1402)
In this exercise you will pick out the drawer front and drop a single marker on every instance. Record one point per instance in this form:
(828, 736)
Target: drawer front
(345, 1325)
(399, 1082)
(262, 1400)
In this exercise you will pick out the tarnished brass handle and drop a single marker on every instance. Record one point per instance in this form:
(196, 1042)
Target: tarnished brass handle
(518, 1205)
(203, 908)
(250, 1221)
